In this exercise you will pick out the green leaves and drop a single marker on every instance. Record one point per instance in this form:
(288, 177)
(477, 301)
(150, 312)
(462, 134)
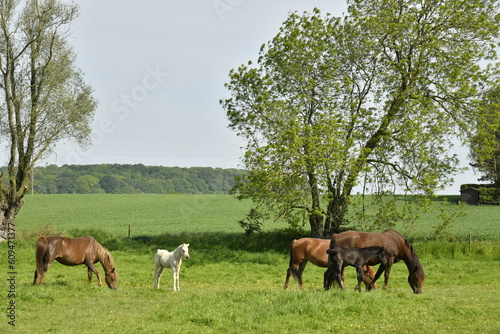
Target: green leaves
(376, 95)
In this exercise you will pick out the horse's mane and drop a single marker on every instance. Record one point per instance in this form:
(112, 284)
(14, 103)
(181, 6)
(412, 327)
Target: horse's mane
(177, 249)
(102, 254)
(414, 261)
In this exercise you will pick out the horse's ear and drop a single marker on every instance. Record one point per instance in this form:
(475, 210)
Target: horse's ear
(187, 245)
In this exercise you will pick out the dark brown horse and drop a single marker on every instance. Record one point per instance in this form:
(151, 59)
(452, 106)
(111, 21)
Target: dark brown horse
(396, 248)
(314, 250)
(339, 258)
(71, 252)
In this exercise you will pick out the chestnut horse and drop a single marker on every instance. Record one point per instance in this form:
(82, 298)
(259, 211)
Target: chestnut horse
(396, 248)
(71, 252)
(314, 250)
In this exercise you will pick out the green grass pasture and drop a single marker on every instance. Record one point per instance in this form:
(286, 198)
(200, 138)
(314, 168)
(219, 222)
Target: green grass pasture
(234, 283)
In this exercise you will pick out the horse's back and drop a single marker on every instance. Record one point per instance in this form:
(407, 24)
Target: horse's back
(390, 240)
(161, 257)
(311, 249)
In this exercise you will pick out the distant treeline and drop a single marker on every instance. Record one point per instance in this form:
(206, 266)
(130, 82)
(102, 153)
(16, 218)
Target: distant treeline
(132, 179)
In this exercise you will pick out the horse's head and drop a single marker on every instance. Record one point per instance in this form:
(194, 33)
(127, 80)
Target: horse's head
(185, 251)
(416, 279)
(111, 278)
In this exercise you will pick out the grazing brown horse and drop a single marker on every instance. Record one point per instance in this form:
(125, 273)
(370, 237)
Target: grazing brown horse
(339, 258)
(71, 252)
(314, 250)
(396, 248)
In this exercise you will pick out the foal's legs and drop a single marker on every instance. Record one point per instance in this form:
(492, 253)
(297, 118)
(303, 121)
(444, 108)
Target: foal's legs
(175, 275)
(338, 273)
(158, 271)
(328, 278)
(361, 276)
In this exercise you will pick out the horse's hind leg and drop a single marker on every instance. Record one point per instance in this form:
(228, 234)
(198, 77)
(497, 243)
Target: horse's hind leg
(380, 270)
(297, 274)
(158, 272)
(338, 278)
(40, 272)
(287, 279)
(36, 276)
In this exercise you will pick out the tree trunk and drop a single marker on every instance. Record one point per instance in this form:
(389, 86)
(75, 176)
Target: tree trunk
(315, 214)
(337, 209)
(316, 222)
(8, 212)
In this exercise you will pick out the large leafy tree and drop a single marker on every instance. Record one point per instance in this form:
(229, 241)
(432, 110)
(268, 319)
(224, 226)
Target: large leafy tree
(373, 97)
(43, 98)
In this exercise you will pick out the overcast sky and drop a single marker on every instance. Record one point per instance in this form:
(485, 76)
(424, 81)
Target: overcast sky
(158, 69)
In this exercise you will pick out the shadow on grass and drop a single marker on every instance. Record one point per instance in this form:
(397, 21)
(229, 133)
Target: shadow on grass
(277, 241)
(219, 246)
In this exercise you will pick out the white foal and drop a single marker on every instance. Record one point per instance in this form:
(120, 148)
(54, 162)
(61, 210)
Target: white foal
(165, 259)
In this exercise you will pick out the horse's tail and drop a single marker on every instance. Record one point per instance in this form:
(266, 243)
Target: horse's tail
(295, 272)
(42, 245)
(292, 257)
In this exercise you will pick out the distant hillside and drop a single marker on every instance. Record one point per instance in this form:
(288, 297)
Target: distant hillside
(132, 179)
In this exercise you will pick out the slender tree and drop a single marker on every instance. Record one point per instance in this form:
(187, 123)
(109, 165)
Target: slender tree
(373, 97)
(43, 96)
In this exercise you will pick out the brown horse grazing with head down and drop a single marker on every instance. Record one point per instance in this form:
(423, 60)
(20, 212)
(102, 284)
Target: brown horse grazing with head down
(71, 252)
(314, 250)
(396, 248)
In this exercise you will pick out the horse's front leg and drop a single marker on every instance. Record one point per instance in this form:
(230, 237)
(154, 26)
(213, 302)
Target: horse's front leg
(328, 278)
(361, 276)
(175, 276)
(384, 267)
(93, 269)
(339, 275)
(387, 274)
(177, 280)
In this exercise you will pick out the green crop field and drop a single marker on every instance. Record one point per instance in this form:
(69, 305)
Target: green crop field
(234, 283)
